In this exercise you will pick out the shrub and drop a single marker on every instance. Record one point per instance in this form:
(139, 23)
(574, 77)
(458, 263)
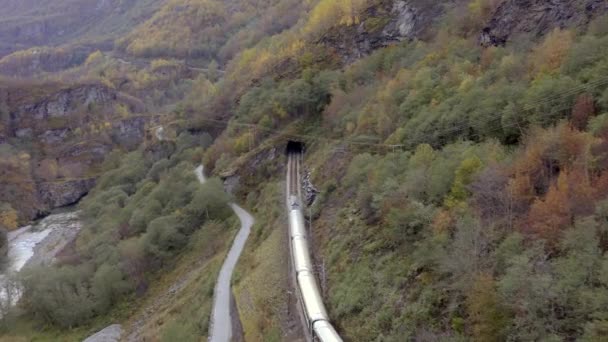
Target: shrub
(62, 297)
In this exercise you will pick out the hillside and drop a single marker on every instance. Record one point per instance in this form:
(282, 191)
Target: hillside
(95, 23)
(455, 167)
(210, 30)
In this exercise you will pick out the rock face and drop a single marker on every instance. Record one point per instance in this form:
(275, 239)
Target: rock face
(383, 24)
(538, 17)
(160, 150)
(109, 334)
(59, 135)
(310, 192)
(129, 133)
(62, 193)
(66, 102)
(247, 172)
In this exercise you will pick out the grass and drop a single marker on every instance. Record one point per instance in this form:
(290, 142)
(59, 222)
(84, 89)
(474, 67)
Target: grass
(260, 284)
(184, 316)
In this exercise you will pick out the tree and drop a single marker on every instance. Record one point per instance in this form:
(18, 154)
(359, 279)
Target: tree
(463, 177)
(94, 58)
(548, 217)
(406, 224)
(485, 311)
(491, 195)
(548, 57)
(163, 239)
(481, 10)
(213, 71)
(108, 284)
(8, 216)
(583, 109)
(527, 286)
(61, 296)
(134, 262)
(3, 247)
(328, 13)
(418, 181)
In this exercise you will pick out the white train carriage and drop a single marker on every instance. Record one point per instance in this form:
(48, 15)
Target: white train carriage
(301, 254)
(313, 303)
(296, 224)
(326, 332)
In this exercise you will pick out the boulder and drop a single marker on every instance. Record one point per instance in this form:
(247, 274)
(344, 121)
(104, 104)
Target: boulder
(109, 334)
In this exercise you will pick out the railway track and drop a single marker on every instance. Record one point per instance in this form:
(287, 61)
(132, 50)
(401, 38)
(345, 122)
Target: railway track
(309, 296)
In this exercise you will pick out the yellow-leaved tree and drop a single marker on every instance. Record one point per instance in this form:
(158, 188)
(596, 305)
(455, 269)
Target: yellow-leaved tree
(328, 13)
(8, 216)
(486, 314)
(549, 56)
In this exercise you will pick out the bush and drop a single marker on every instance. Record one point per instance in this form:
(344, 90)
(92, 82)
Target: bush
(62, 297)
(163, 239)
(3, 247)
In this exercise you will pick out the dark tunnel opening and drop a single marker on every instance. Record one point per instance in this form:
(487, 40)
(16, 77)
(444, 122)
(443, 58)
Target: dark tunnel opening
(294, 147)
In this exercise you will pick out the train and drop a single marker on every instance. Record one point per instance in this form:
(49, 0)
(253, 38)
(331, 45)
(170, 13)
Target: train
(314, 309)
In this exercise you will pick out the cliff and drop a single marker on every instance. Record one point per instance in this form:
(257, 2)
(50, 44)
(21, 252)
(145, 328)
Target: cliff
(54, 139)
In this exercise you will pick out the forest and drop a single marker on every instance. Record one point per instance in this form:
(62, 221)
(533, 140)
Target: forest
(462, 185)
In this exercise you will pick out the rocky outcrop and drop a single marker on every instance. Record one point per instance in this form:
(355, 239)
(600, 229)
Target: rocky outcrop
(129, 133)
(246, 172)
(310, 192)
(538, 17)
(388, 22)
(66, 101)
(159, 150)
(61, 135)
(38, 60)
(62, 193)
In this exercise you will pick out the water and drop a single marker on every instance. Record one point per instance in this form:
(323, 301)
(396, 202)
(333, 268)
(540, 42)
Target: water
(200, 175)
(221, 320)
(22, 247)
(21, 243)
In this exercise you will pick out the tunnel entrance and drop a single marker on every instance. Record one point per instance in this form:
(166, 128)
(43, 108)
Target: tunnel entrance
(294, 147)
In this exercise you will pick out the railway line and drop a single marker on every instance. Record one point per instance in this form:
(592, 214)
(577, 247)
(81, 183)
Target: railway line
(309, 297)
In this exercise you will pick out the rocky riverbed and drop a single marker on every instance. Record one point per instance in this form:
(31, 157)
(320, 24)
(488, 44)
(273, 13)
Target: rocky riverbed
(36, 244)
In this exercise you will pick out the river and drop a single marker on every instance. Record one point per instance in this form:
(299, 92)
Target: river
(37, 244)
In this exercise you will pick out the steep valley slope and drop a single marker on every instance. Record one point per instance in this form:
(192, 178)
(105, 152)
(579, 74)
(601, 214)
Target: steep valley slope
(455, 166)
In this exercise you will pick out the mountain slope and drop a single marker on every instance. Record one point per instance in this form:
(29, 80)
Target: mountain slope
(24, 24)
(462, 180)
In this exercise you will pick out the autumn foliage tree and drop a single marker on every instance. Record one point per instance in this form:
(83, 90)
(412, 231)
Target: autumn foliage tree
(331, 12)
(549, 56)
(583, 109)
(8, 216)
(570, 197)
(485, 311)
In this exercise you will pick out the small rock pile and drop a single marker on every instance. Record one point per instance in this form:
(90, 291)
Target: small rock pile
(310, 192)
